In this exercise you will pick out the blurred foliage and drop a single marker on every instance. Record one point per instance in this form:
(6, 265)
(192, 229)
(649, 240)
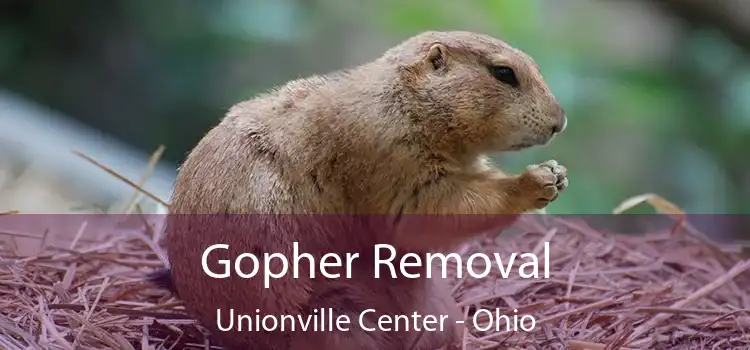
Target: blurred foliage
(163, 72)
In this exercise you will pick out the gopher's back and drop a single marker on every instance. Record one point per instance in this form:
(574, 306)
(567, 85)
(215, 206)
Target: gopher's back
(292, 151)
(299, 149)
(247, 163)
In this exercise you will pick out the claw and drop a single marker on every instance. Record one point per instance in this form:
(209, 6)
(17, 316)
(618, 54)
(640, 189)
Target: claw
(552, 177)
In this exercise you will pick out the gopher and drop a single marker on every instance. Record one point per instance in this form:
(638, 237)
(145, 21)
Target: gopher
(405, 135)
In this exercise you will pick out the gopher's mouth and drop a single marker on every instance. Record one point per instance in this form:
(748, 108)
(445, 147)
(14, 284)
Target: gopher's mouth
(534, 141)
(530, 143)
(520, 146)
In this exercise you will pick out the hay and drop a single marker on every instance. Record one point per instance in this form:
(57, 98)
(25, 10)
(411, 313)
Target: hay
(669, 289)
(660, 290)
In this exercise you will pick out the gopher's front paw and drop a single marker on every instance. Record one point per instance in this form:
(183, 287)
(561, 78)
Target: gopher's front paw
(542, 183)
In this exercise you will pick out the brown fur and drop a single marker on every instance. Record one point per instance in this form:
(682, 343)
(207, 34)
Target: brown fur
(407, 133)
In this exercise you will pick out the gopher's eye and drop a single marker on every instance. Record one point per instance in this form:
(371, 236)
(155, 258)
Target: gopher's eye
(505, 74)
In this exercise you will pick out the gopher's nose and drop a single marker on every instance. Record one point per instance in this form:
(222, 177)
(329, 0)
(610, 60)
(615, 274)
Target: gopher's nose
(560, 127)
(562, 119)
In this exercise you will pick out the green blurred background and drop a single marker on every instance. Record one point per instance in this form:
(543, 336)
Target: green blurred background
(657, 92)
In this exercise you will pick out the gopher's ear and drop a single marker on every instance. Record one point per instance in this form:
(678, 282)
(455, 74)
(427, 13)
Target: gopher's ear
(436, 57)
